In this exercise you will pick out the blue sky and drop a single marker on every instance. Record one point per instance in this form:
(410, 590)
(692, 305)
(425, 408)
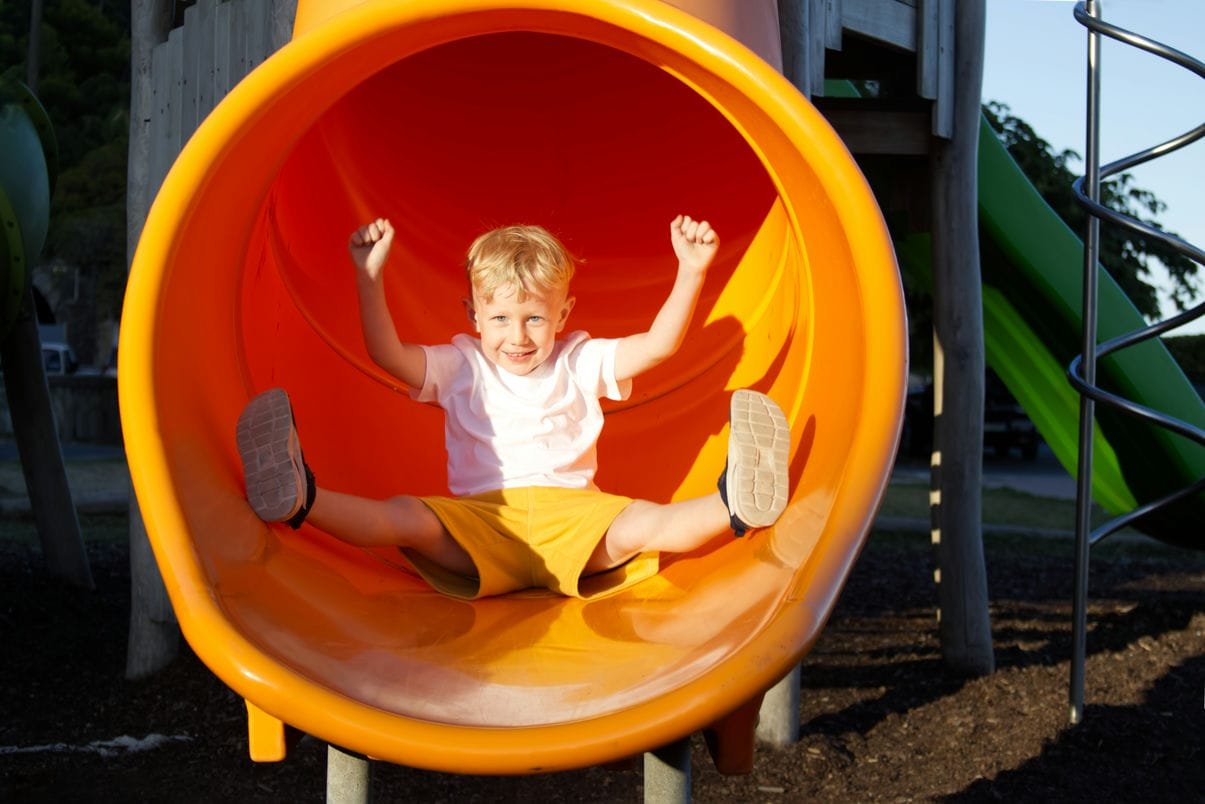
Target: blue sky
(1035, 62)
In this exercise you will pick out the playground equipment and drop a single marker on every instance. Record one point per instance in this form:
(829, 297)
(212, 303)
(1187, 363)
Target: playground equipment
(28, 156)
(600, 120)
(1176, 430)
(26, 178)
(1032, 267)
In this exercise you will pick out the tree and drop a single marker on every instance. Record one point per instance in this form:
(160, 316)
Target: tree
(84, 86)
(1189, 351)
(25, 379)
(1127, 255)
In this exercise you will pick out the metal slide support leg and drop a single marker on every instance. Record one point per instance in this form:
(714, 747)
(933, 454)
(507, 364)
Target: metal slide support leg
(348, 777)
(778, 719)
(667, 774)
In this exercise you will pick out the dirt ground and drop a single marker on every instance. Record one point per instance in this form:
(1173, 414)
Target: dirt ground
(882, 720)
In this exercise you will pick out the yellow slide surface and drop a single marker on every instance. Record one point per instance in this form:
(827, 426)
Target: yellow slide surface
(600, 120)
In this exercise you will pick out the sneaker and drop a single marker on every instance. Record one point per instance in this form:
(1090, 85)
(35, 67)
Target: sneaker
(754, 484)
(280, 487)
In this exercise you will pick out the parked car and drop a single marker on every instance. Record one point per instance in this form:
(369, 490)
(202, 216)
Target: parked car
(1005, 424)
(57, 358)
(916, 441)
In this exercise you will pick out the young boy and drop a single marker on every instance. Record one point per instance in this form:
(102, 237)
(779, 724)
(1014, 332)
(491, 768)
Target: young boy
(522, 421)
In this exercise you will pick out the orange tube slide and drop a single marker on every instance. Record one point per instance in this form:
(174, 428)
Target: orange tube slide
(600, 120)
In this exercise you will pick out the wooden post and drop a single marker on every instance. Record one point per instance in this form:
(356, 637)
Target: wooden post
(154, 636)
(216, 51)
(793, 22)
(957, 461)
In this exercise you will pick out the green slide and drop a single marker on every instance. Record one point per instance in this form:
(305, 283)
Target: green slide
(27, 149)
(1032, 266)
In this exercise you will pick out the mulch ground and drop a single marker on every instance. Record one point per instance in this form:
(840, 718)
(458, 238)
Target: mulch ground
(882, 719)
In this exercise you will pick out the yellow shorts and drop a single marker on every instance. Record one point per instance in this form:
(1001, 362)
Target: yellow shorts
(531, 537)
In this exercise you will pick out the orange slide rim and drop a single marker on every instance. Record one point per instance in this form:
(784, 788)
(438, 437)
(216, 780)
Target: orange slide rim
(646, 27)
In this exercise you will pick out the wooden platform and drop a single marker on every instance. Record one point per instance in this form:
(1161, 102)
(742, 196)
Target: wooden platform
(905, 45)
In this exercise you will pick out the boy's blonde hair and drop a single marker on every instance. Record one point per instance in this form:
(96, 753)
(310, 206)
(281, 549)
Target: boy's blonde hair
(523, 257)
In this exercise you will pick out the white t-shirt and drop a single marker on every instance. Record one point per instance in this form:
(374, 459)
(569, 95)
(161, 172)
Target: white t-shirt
(507, 431)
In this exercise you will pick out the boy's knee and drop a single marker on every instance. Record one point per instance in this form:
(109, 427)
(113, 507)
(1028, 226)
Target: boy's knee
(402, 501)
(404, 510)
(633, 528)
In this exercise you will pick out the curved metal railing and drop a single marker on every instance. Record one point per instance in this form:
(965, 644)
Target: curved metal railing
(1082, 370)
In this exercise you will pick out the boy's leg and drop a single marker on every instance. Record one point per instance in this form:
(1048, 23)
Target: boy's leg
(645, 527)
(396, 522)
(753, 492)
(281, 488)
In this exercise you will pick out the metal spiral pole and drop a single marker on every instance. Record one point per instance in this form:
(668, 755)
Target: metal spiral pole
(1082, 370)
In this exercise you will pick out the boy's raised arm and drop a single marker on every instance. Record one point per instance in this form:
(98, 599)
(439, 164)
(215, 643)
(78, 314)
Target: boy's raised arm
(695, 244)
(369, 248)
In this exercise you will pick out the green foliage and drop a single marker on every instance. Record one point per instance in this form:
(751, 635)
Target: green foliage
(1189, 351)
(1126, 254)
(84, 84)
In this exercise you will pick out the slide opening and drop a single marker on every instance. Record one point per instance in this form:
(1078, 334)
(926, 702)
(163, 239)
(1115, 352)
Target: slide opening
(449, 125)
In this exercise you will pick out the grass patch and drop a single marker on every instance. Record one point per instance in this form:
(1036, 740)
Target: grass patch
(1062, 550)
(1001, 506)
(95, 528)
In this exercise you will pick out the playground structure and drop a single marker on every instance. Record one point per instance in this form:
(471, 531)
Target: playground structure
(282, 620)
(26, 179)
(307, 630)
(28, 167)
(1177, 425)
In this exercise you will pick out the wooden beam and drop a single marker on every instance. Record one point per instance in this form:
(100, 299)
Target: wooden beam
(793, 21)
(927, 25)
(258, 36)
(832, 24)
(891, 22)
(280, 27)
(899, 133)
(949, 77)
(236, 48)
(816, 33)
(190, 49)
(205, 13)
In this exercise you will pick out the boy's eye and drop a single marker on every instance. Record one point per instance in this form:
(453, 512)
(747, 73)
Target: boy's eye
(536, 319)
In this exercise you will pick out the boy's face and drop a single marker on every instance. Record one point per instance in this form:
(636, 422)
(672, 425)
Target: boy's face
(519, 336)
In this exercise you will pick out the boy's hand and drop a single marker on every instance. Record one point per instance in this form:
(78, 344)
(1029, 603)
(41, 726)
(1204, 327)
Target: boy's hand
(369, 246)
(695, 243)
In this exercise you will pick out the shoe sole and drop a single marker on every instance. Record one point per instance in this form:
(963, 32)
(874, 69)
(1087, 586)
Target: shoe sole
(759, 445)
(273, 467)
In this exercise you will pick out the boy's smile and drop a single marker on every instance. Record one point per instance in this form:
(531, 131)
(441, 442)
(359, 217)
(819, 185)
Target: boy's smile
(519, 336)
